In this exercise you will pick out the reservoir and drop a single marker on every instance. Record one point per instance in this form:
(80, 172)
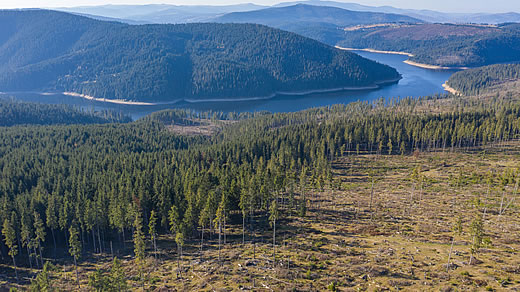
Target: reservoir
(416, 82)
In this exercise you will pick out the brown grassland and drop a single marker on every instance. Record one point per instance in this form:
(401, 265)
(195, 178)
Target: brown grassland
(380, 228)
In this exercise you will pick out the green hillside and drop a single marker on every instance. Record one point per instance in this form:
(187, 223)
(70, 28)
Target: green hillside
(62, 52)
(484, 79)
(318, 22)
(25, 113)
(442, 44)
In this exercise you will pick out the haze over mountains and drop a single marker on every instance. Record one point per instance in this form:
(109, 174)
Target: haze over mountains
(56, 51)
(183, 14)
(303, 14)
(322, 23)
(160, 13)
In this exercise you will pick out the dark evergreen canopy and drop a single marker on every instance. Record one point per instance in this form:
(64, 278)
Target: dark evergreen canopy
(58, 51)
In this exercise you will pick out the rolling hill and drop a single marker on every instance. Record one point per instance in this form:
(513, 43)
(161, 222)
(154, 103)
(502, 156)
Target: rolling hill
(318, 22)
(55, 51)
(163, 13)
(423, 14)
(446, 45)
(160, 13)
(487, 79)
(308, 14)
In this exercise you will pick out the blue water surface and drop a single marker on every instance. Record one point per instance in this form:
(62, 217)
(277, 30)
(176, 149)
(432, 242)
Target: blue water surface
(416, 82)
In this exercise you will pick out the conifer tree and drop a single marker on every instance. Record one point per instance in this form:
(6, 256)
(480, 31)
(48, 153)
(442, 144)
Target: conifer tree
(117, 277)
(26, 236)
(52, 218)
(43, 281)
(10, 241)
(477, 234)
(139, 246)
(273, 216)
(39, 231)
(152, 231)
(75, 248)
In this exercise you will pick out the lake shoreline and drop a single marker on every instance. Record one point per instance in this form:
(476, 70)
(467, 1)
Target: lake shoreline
(411, 63)
(451, 89)
(377, 85)
(433, 67)
(376, 51)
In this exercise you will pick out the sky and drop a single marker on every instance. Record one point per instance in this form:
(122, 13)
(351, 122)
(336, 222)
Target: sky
(439, 5)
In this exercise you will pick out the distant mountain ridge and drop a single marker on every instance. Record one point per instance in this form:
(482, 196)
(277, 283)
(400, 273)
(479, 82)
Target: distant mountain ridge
(302, 13)
(162, 13)
(56, 51)
(321, 23)
(424, 14)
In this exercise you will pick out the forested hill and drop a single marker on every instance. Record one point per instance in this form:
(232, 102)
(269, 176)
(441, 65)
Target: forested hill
(447, 45)
(484, 79)
(24, 113)
(322, 23)
(63, 52)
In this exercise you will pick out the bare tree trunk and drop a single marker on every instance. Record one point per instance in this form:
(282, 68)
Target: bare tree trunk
(15, 269)
(41, 257)
(225, 239)
(154, 245)
(274, 243)
(371, 199)
(219, 238)
(77, 275)
(94, 239)
(54, 240)
(29, 256)
(449, 257)
(201, 241)
(36, 256)
(99, 240)
(123, 231)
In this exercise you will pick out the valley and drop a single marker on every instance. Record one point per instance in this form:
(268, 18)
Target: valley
(415, 82)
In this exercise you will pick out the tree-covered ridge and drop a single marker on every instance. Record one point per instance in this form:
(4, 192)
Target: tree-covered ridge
(481, 80)
(57, 51)
(23, 113)
(445, 45)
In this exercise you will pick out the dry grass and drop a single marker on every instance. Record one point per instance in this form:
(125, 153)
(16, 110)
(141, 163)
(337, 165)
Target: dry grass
(198, 127)
(403, 244)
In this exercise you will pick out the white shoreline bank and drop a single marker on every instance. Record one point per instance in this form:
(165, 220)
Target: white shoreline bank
(376, 51)
(411, 63)
(287, 93)
(118, 101)
(451, 89)
(433, 67)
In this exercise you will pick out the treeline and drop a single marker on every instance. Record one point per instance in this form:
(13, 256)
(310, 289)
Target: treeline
(480, 80)
(14, 112)
(95, 180)
(62, 52)
(446, 45)
(189, 117)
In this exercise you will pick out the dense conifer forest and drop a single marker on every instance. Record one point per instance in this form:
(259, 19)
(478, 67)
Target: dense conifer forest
(62, 52)
(91, 186)
(446, 45)
(20, 113)
(484, 79)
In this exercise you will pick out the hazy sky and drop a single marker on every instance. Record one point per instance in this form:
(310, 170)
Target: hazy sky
(440, 5)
